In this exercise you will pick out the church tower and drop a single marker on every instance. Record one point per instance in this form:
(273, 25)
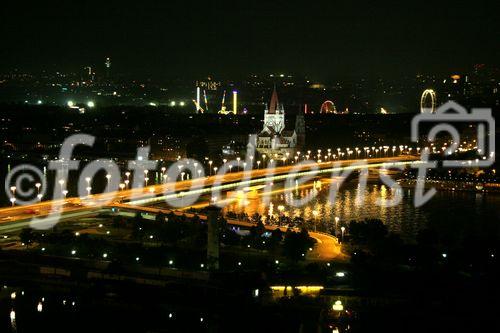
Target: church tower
(274, 116)
(300, 130)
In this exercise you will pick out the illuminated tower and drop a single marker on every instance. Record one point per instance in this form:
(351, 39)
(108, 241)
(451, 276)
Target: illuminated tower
(223, 106)
(198, 93)
(88, 74)
(235, 102)
(108, 67)
(274, 116)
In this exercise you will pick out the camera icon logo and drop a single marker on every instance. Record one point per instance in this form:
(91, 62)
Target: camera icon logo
(452, 112)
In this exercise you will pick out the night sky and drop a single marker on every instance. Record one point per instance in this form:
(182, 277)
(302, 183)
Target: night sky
(323, 39)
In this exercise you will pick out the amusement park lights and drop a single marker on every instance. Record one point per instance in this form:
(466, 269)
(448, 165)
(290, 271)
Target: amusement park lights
(428, 101)
(235, 102)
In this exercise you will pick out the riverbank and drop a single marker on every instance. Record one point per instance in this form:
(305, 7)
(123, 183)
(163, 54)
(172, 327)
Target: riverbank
(453, 185)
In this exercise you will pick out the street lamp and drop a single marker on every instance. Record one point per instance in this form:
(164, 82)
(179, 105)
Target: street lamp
(13, 201)
(258, 164)
(61, 183)
(342, 229)
(38, 185)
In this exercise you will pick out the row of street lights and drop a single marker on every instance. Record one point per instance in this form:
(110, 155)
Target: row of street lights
(328, 155)
(13, 193)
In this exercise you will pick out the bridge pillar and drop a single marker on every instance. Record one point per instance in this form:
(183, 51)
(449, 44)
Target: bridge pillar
(213, 238)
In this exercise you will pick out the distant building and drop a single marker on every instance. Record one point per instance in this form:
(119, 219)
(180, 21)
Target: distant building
(108, 67)
(300, 130)
(234, 148)
(274, 139)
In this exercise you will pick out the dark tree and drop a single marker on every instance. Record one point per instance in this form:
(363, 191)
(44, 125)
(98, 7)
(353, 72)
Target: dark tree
(117, 222)
(367, 232)
(296, 244)
(276, 236)
(26, 236)
(160, 217)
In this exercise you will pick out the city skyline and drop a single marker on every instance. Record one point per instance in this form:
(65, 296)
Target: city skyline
(249, 166)
(326, 40)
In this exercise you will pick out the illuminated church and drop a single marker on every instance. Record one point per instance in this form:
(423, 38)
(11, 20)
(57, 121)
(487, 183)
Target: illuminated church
(274, 139)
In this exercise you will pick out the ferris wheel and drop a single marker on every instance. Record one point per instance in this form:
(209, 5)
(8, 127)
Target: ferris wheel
(428, 101)
(328, 107)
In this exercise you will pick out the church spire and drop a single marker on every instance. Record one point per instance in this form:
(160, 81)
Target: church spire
(274, 102)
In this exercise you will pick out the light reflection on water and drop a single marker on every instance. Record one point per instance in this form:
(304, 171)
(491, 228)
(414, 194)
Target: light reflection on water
(403, 218)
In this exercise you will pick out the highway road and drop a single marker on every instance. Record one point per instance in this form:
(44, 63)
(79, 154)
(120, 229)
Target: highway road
(153, 193)
(327, 247)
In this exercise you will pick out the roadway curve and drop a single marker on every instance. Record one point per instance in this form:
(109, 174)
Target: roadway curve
(326, 248)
